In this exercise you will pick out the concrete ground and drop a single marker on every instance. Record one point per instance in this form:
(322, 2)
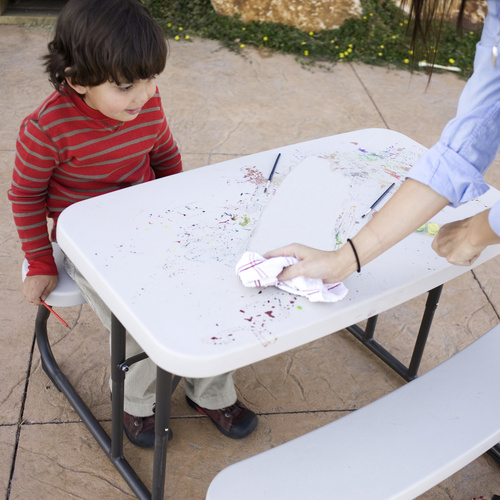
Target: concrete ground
(221, 105)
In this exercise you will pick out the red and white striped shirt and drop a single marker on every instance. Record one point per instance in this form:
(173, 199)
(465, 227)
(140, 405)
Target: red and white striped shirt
(67, 152)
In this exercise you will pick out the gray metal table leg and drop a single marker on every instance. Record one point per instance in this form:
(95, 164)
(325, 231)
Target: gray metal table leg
(495, 453)
(60, 381)
(367, 338)
(164, 385)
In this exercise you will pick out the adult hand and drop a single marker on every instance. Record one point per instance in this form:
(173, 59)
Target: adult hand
(312, 263)
(38, 288)
(461, 242)
(452, 243)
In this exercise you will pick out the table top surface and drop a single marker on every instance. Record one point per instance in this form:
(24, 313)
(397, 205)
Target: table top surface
(162, 254)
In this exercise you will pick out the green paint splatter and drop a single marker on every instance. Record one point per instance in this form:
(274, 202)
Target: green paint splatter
(338, 241)
(299, 307)
(245, 221)
(431, 227)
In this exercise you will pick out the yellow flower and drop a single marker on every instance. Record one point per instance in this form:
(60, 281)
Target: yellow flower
(180, 28)
(187, 37)
(242, 45)
(332, 41)
(406, 61)
(243, 29)
(169, 25)
(382, 47)
(177, 37)
(341, 55)
(451, 61)
(349, 50)
(311, 33)
(306, 52)
(265, 39)
(364, 17)
(410, 52)
(394, 37)
(380, 54)
(303, 43)
(350, 45)
(371, 13)
(406, 21)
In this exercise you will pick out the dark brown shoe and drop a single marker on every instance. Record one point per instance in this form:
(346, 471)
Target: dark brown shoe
(141, 430)
(235, 421)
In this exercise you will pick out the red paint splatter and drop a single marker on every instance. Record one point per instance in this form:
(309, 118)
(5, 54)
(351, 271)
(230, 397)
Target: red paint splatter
(270, 314)
(254, 175)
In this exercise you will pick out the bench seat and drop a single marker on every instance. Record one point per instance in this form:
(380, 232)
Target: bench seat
(397, 447)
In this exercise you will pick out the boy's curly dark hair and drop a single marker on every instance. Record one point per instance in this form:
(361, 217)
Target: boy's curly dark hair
(105, 40)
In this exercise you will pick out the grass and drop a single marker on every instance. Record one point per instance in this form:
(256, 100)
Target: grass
(379, 37)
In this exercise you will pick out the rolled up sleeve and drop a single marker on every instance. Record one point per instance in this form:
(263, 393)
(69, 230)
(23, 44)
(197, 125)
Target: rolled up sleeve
(455, 166)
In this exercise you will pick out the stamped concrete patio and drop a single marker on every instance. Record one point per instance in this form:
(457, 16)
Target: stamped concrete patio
(221, 105)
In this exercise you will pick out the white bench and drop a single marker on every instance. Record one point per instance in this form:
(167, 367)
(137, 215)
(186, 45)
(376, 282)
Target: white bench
(397, 447)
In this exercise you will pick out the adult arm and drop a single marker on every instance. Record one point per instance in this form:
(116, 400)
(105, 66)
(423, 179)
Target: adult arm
(451, 171)
(412, 205)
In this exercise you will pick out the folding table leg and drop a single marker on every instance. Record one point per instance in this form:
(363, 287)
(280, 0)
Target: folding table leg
(162, 423)
(367, 338)
(494, 453)
(423, 333)
(60, 381)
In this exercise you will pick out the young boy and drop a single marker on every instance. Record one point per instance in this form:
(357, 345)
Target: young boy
(104, 129)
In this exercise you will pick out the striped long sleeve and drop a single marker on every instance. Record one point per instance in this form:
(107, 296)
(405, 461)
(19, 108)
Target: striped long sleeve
(67, 152)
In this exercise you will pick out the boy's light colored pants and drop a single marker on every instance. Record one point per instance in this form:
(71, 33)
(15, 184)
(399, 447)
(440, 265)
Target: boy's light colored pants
(140, 381)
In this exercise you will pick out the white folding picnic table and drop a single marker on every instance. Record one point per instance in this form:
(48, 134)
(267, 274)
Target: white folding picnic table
(162, 256)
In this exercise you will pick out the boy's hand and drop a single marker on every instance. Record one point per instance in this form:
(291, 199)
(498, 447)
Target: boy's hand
(38, 288)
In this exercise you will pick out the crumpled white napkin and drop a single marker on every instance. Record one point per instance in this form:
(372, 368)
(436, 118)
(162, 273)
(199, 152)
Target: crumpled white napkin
(255, 271)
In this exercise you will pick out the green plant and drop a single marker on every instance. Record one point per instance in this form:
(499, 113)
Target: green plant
(378, 37)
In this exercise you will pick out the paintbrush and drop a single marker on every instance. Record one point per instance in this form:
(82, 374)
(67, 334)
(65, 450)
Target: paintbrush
(272, 173)
(55, 314)
(378, 200)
